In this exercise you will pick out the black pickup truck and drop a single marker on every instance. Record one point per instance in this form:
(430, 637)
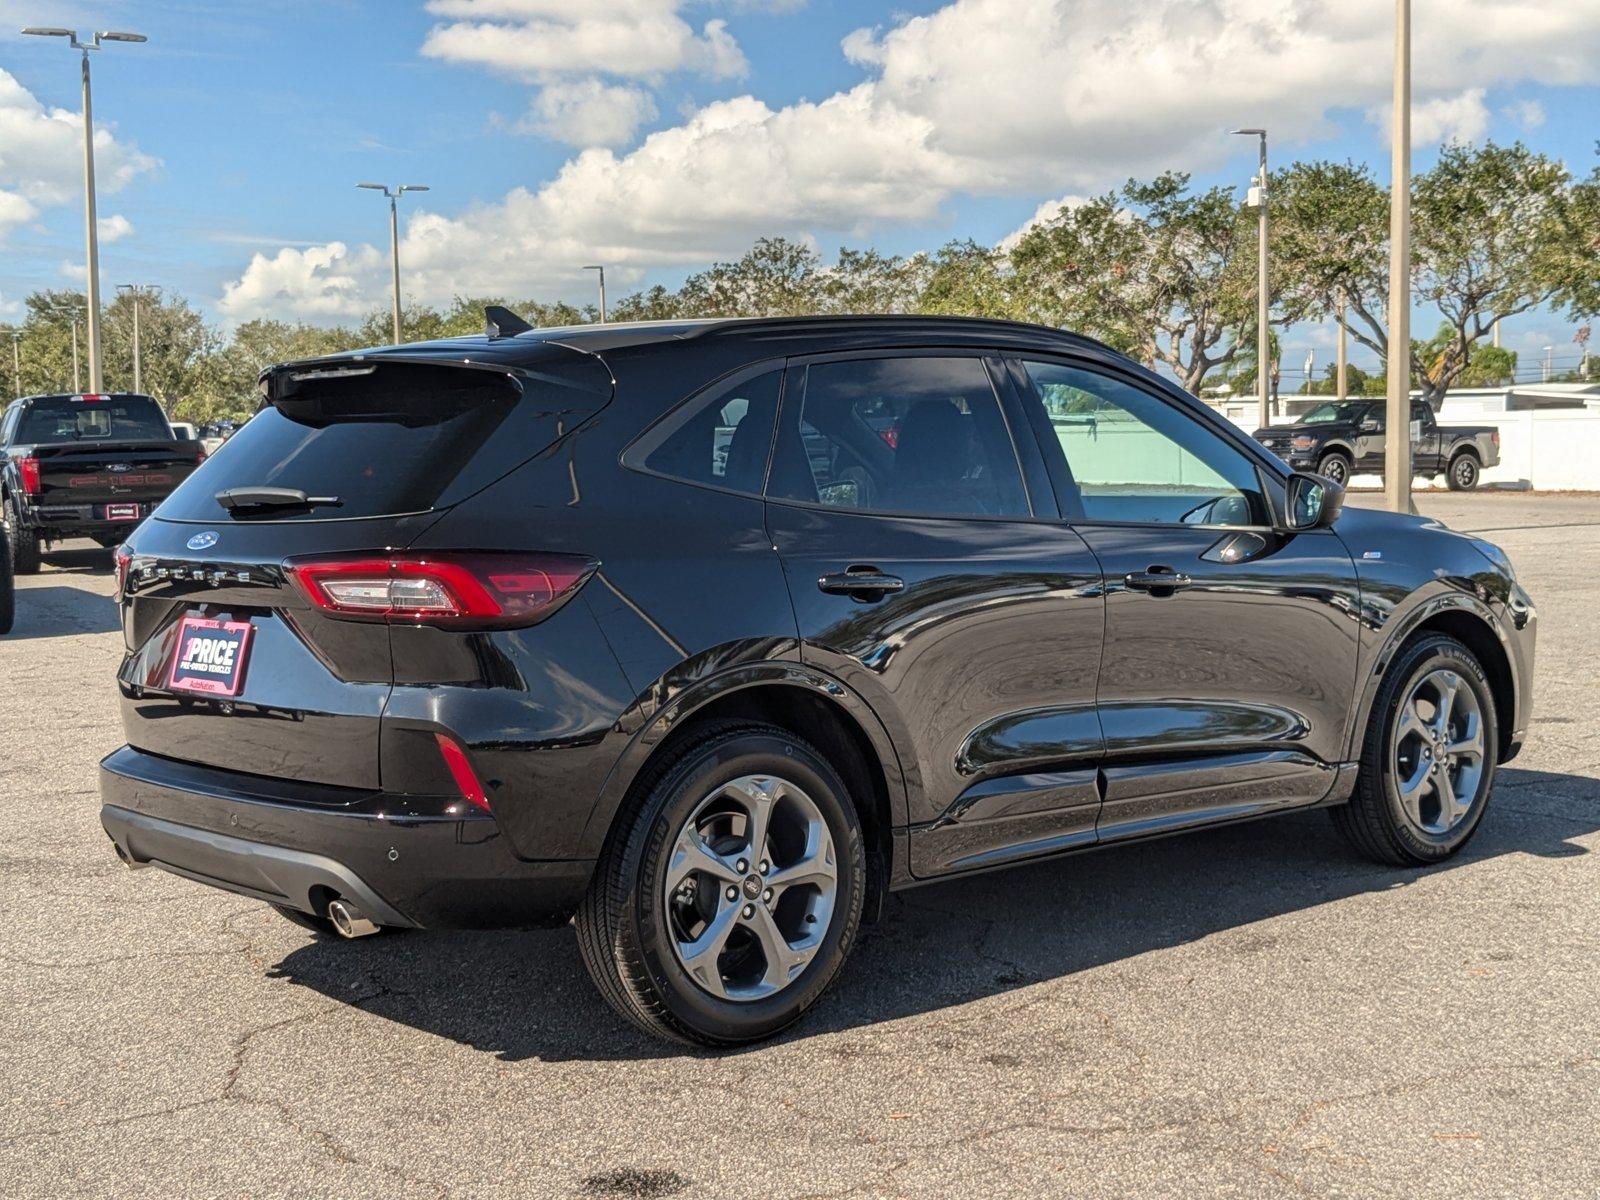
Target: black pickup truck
(1344, 438)
(85, 466)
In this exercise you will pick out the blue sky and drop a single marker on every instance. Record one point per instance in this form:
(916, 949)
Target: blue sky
(238, 132)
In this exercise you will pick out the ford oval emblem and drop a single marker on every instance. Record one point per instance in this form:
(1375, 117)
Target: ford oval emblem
(203, 541)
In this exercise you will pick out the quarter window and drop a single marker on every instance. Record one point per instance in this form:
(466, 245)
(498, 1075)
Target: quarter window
(721, 438)
(1135, 457)
(921, 435)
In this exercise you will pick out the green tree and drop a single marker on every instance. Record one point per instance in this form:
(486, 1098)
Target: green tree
(965, 279)
(774, 278)
(1496, 231)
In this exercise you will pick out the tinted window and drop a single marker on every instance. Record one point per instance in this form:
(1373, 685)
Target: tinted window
(913, 435)
(1135, 457)
(70, 419)
(399, 439)
(720, 438)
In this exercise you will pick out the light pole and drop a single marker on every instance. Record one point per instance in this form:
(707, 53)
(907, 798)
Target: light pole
(1549, 364)
(602, 272)
(136, 292)
(91, 234)
(74, 312)
(1397, 440)
(394, 237)
(1258, 197)
(16, 360)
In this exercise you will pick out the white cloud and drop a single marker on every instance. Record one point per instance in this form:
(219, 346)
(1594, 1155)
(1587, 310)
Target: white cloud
(542, 39)
(1463, 117)
(41, 156)
(1048, 211)
(588, 112)
(1527, 113)
(322, 282)
(114, 228)
(1012, 97)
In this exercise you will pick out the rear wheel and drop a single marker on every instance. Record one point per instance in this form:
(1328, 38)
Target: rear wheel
(24, 544)
(724, 907)
(1428, 763)
(1335, 466)
(8, 591)
(1464, 472)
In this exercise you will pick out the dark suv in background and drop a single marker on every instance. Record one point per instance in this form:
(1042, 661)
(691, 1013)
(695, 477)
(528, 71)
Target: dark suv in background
(710, 634)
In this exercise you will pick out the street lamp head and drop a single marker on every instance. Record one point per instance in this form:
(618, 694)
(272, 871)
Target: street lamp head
(414, 187)
(376, 187)
(114, 36)
(50, 31)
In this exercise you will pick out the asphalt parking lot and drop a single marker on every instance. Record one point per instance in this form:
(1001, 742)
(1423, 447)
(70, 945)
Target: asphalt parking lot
(1246, 1012)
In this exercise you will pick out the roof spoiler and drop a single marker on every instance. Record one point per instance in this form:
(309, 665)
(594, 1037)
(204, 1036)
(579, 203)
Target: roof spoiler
(501, 322)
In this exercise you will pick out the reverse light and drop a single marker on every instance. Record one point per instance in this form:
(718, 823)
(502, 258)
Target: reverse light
(28, 468)
(471, 590)
(466, 779)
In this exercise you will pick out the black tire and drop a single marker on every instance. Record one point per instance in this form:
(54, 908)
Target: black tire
(1336, 465)
(8, 590)
(1375, 821)
(1464, 472)
(24, 545)
(622, 926)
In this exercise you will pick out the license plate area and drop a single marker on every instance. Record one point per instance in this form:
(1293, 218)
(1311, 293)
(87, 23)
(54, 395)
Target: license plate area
(122, 512)
(209, 657)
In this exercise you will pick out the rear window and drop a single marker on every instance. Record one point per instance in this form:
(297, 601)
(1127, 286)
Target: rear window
(73, 419)
(385, 440)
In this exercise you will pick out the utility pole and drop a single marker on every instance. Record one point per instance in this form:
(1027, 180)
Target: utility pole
(73, 312)
(602, 272)
(1342, 386)
(136, 292)
(394, 238)
(92, 232)
(1549, 364)
(1258, 197)
(16, 360)
(1397, 440)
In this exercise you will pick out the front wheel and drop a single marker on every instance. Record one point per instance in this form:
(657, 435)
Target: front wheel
(1463, 473)
(1335, 466)
(724, 907)
(1428, 761)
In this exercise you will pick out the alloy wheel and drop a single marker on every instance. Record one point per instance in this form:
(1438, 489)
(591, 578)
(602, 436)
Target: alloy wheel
(750, 887)
(1466, 472)
(1438, 752)
(1333, 468)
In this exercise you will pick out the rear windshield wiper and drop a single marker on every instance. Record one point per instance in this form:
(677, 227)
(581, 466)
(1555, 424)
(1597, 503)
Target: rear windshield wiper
(272, 497)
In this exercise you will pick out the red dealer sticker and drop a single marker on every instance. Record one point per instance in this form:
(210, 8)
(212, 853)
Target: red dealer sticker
(210, 656)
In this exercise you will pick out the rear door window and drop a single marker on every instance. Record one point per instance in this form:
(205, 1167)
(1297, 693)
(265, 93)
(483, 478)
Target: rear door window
(114, 418)
(720, 438)
(908, 434)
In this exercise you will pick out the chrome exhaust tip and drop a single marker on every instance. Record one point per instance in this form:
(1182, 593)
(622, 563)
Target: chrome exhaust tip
(349, 921)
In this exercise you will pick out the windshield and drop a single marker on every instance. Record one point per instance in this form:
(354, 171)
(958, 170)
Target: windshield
(1324, 414)
(75, 419)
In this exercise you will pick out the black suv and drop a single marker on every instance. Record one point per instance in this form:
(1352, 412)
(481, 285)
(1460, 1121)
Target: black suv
(710, 634)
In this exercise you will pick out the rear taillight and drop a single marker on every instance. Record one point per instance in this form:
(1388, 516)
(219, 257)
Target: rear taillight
(28, 468)
(468, 590)
(455, 758)
(123, 559)
(199, 454)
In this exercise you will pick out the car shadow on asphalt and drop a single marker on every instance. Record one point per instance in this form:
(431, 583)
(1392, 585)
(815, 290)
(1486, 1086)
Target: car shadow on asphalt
(61, 610)
(525, 995)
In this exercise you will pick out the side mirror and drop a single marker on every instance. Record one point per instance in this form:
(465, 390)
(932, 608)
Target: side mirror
(1313, 502)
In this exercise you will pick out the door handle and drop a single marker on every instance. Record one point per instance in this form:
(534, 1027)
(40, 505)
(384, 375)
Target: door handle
(861, 583)
(1158, 581)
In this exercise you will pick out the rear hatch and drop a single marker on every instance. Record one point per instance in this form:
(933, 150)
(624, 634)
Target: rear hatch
(94, 451)
(230, 662)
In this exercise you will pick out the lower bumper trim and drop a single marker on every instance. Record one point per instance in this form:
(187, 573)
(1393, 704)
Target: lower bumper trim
(271, 873)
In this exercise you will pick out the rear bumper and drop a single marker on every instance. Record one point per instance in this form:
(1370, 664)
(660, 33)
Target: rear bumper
(80, 520)
(404, 860)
